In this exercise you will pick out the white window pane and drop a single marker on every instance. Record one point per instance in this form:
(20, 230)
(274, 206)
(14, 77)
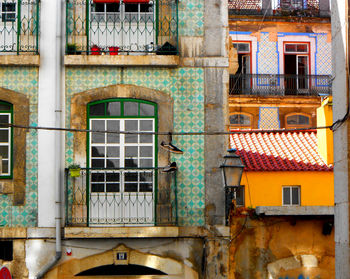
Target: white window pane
(130, 109)
(295, 196)
(146, 125)
(4, 136)
(146, 151)
(286, 196)
(98, 151)
(131, 151)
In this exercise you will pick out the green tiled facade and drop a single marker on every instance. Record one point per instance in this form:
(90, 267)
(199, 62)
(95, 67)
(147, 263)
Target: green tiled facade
(23, 80)
(185, 86)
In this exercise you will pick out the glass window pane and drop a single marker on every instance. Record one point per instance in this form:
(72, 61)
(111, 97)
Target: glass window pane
(303, 120)
(146, 163)
(113, 151)
(131, 151)
(146, 151)
(130, 187)
(4, 152)
(98, 151)
(131, 177)
(146, 187)
(131, 163)
(5, 106)
(113, 163)
(113, 126)
(5, 166)
(112, 187)
(302, 48)
(112, 7)
(97, 187)
(291, 48)
(113, 108)
(146, 138)
(131, 125)
(131, 8)
(240, 196)
(146, 125)
(295, 195)
(4, 136)
(98, 163)
(97, 177)
(146, 177)
(131, 109)
(146, 109)
(98, 138)
(292, 120)
(98, 125)
(112, 177)
(98, 109)
(286, 196)
(4, 119)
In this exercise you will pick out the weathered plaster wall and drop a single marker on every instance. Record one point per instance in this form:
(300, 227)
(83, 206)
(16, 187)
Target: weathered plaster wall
(281, 247)
(23, 80)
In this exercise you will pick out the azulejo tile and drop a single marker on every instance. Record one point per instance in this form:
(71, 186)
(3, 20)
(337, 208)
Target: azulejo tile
(185, 86)
(23, 80)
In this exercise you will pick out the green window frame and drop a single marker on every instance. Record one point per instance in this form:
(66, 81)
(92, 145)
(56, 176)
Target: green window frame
(122, 167)
(6, 139)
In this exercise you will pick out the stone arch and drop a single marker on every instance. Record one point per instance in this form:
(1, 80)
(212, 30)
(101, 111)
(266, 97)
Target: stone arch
(171, 267)
(16, 185)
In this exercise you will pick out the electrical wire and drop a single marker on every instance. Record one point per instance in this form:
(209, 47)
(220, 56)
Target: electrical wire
(334, 126)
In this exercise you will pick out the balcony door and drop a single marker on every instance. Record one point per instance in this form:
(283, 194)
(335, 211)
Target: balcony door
(296, 68)
(8, 25)
(122, 166)
(127, 24)
(241, 83)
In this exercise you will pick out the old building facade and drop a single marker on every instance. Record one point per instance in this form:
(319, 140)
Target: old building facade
(150, 73)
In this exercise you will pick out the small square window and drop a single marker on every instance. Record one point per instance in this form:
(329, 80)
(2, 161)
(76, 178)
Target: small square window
(291, 195)
(8, 12)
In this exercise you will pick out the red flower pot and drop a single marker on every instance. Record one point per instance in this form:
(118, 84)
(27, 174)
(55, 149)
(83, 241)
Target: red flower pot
(113, 50)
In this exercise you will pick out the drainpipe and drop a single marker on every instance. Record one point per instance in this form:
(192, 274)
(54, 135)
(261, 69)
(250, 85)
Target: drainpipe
(58, 141)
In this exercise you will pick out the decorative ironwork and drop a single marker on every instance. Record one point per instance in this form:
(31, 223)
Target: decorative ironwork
(125, 27)
(100, 197)
(280, 85)
(19, 26)
(310, 8)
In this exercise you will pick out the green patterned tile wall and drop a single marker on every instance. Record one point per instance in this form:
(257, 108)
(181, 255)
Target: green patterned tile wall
(23, 80)
(191, 20)
(185, 86)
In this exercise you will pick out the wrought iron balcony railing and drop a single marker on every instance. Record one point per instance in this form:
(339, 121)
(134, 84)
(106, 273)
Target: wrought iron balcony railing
(121, 27)
(280, 85)
(121, 197)
(311, 8)
(19, 26)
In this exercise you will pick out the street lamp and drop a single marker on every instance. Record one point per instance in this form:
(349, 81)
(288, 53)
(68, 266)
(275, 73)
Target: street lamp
(232, 169)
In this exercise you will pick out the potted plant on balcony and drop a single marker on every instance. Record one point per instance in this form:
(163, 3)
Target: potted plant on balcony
(72, 49)
(74, 170)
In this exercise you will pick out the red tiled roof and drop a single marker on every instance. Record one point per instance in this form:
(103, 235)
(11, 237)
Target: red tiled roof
(279, 151)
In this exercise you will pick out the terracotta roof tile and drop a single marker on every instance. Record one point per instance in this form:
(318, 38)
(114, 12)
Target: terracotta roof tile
(279, 151)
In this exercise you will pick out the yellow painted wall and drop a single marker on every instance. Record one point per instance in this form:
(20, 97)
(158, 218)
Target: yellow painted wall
(265, 188)
(325, 136)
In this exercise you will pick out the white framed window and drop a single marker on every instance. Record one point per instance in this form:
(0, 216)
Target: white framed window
(126, 12)
(291, 195)
(8, 11)
(298, 120)
(242, 47)
(6, 139)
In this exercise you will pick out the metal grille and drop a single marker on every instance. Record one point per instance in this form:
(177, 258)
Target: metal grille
(280, 85)
(19, 26)
(101, 203)
(121, 28)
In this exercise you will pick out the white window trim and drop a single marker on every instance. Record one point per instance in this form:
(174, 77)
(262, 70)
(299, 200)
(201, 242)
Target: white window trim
(237, 38)
(297, 39)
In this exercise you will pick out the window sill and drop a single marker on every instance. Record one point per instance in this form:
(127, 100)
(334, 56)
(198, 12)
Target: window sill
(14, 60)
(122, 60)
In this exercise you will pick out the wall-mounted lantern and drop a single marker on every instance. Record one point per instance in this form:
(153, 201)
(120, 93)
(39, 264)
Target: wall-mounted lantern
(232, 169)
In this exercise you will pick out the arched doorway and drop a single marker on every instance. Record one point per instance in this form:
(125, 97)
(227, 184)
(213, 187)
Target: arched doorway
(122, 262)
